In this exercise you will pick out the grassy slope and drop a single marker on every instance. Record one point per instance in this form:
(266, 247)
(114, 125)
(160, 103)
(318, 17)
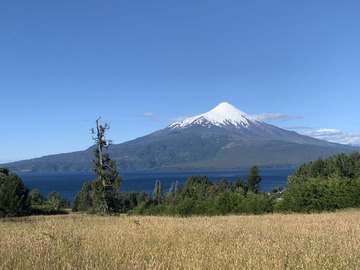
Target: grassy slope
(318, 241)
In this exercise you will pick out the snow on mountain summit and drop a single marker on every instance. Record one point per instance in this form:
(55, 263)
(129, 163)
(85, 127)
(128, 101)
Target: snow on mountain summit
(222, 115)
(230, 119)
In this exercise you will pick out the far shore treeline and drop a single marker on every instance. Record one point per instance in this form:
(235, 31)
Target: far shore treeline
(322, 185)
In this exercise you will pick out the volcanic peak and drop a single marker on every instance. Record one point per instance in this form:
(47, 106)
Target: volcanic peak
(222, 115)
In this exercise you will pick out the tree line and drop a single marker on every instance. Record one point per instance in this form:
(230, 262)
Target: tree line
(17, 200)
(200, 196)
(321, 185)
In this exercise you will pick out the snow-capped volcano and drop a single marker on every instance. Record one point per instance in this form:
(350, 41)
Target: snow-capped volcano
(224, 137)
(226, 118)
(222, 115)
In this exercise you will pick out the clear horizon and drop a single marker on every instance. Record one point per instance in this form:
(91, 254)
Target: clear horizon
(142, 66)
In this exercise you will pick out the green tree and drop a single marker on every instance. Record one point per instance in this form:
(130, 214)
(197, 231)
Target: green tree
(14, 195)
(105, 168)
(227, 202)
(83, 200)
(197, 188)
(157, 194)
(102, 195)
(36, 198)
(171, 193)
(253, 180)
(258, 204)
(54, 200)
(317, 195)
(4, 172)
(340, 165)
(130, 200)
(240, 187)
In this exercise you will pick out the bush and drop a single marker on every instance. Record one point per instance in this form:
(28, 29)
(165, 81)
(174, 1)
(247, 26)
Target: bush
(258, 204)
(14, 195)
(36, 198)
(228, 203)
(317, 195)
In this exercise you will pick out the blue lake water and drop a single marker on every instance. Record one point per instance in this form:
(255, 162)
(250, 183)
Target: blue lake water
(68, 184)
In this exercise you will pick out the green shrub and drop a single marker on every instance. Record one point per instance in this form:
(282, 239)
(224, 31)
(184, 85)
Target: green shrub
(14, 195)
(317, 195)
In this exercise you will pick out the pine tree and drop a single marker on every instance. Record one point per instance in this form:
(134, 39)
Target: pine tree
(253, 180)
(157, 191)
(107, 184)
(14, 195)
(102, 194)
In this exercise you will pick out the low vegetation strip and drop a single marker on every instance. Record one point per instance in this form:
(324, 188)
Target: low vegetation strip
(273, 241)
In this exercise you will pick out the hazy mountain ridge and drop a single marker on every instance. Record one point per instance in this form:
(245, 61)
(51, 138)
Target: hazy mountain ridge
(224, 137)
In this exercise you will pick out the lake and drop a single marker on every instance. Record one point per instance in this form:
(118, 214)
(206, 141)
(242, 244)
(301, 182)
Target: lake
(68, 184)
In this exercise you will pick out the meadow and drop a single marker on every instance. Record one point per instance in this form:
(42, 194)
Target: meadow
(274, 241)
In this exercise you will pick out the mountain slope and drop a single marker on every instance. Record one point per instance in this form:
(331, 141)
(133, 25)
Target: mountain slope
(224, 137)
(228, 118)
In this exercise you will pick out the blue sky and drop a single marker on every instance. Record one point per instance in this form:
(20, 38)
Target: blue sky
(143, 64)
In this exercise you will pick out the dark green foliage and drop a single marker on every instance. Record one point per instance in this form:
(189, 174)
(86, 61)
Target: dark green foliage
(253, 180)
(317, 195)
(4, 172)
(199, 196)
(102, 194)
(186, 207)
(36, 198)
(197, 188)
(122, 203)
(323, 185)
(106, 186)
(341, 165)
(200, 188)
(52, 205)
(258, 204)
(55, 202)
(240, 186)
(92, 199)
(130, 200)
(228, 203)
(14, 195)
(83, 200)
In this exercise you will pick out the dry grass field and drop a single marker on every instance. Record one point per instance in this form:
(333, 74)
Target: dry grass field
(79, 241)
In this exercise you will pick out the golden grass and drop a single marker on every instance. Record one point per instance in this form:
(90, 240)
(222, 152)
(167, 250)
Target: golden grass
(276, 241)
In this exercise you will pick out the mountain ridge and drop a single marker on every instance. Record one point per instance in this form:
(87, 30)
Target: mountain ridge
(223, 138)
